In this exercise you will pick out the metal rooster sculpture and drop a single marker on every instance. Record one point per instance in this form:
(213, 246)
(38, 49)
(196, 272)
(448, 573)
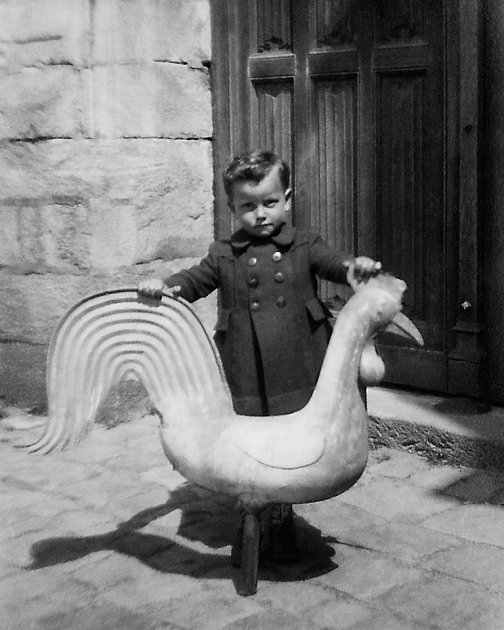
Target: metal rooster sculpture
(310, 455)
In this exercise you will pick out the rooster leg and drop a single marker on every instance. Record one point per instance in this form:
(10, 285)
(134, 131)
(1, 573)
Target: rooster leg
(247, 583)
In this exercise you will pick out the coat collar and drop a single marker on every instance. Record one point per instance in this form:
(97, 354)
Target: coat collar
(284, 237)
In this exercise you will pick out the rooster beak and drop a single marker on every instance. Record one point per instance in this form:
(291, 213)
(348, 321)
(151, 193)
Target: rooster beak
(403, 326)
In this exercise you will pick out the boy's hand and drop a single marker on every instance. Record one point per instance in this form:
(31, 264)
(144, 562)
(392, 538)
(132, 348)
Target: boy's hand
(154, 287)
(363, 268)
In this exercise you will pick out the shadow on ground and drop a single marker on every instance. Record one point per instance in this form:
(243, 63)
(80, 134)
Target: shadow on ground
(203, 520)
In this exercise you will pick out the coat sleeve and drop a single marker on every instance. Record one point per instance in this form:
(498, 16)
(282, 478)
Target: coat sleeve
(326, 262)
(197, 281)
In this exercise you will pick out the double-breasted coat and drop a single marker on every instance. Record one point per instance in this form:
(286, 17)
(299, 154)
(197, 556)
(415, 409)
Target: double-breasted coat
(272, 331)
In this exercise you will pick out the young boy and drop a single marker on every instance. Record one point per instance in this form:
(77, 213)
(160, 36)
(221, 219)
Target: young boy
(272, 331)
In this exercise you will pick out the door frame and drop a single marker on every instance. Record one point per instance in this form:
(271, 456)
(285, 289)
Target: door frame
(463, 19)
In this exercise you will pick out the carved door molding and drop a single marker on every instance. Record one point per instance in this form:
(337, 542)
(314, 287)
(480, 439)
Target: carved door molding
(376, 107)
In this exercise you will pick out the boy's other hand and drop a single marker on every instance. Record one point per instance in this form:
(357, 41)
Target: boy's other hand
(364, 268)
(154, 287)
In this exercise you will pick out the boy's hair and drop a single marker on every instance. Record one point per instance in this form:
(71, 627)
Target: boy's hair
(254, 166)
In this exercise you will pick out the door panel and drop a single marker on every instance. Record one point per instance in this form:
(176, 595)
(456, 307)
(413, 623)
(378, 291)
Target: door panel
(271, 117)
(335, 151)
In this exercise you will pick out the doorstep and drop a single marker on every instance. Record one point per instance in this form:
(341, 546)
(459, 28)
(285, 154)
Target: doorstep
(454, 430)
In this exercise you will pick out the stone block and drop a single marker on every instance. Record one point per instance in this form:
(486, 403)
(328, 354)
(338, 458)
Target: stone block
(340, 615)
(41, 102)
(118, 169)
(151, 100)
(114, 235)
(366, 575)
(392, 499)
(144, 199)
(477, 523)
(140, 30)
(22, 373)
(38, 32)
(45, 232)
(32, 304)
(294, 597)
(479, 564)
(444, 602)
(190, 603)
(407, 543)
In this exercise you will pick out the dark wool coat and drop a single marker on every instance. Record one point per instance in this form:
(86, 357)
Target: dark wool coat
(272, 331)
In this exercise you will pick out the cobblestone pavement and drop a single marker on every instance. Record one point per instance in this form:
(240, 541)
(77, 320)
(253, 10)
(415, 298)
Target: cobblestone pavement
(108, 536)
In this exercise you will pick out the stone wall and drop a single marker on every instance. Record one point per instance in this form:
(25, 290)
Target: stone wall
(105, 160)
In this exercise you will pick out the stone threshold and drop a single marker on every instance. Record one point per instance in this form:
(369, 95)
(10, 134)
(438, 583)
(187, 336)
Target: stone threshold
(453, 430)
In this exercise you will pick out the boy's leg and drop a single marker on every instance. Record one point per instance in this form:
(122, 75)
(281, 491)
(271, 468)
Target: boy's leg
(279, 534)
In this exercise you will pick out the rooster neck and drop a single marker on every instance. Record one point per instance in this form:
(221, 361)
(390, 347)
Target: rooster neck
(338, 377)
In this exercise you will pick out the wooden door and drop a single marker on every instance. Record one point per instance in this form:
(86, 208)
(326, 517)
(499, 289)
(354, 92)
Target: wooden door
(352, 94)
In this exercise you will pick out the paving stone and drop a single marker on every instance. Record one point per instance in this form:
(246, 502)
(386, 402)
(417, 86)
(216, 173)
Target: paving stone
(140, 463)
(98, 617)
(142, 545)
(397, 500)
(293, 597)
(339, 613)
(164, 475)
(480, 564)
(153, 589)
(478, 523)
(110, 571)
(477, 487)
(182, 559)
(33, 547)
(388, 621)
(42, 597)
(205, 611)
(272, 620)
(21, 507)
(366, 575)
(405, 542)
(335, 518)
(78, 523)
(397, 464)
(131, 506)
(448, 603)
(441, 477)
(100, 491)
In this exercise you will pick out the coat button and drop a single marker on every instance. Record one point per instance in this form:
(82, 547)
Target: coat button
(277, 257)
(251, 262)
(279, 277)
(254, 306)
(281, 301)
(253, 282)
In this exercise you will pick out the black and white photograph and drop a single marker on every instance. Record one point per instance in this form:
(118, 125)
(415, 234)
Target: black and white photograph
(252, 314)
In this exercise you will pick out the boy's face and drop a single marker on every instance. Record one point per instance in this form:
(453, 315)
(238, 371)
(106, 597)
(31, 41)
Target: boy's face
(260, 208)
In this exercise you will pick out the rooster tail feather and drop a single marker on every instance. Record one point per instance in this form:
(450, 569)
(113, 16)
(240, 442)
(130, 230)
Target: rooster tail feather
(111, 336)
